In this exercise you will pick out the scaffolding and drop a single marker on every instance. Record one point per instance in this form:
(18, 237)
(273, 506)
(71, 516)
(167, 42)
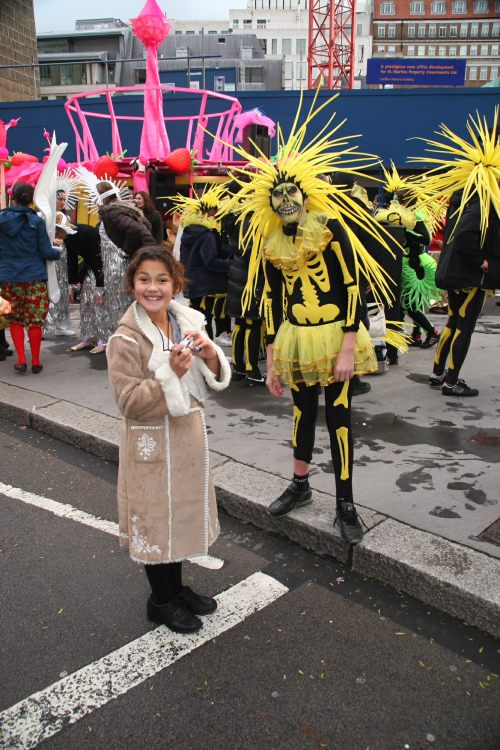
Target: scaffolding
(332, 29)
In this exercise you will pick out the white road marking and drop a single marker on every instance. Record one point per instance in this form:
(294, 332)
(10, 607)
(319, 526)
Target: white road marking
(45, 713)
(64, 510)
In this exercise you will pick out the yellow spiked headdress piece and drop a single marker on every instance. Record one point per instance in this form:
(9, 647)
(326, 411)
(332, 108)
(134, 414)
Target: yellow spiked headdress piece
(470, 166)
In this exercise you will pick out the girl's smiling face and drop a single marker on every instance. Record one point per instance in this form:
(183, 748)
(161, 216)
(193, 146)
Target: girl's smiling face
(153, 287)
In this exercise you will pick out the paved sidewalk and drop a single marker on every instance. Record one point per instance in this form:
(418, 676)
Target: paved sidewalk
(427, 468)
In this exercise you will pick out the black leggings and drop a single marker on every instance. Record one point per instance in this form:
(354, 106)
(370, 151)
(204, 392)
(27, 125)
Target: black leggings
(420, 319)
(165, 580)
(464, 308)
(213, 308)
(246, 344)
(338, 421)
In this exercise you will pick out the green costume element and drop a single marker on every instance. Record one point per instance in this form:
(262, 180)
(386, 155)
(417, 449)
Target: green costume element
(419, 286)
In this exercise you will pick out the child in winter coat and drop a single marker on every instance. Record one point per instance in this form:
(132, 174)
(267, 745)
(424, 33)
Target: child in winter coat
(160, 364)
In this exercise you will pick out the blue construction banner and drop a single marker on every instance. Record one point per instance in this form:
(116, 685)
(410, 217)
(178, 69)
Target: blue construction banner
(415, 71)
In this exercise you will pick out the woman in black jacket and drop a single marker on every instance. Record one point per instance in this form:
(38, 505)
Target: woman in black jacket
(144, 201)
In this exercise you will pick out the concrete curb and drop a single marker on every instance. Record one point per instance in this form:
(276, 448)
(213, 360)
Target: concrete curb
(453, 578)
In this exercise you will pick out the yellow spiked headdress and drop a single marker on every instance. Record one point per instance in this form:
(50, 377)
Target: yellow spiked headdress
(470, 166)
(304, 164)
(193, 209)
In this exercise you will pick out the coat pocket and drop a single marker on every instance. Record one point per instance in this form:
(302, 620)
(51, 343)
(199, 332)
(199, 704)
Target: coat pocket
(148, 443)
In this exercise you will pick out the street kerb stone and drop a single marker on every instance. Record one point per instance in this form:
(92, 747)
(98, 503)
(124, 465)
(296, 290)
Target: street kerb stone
(86, 429)
(17, 404)
(245, 492)
(454, 579)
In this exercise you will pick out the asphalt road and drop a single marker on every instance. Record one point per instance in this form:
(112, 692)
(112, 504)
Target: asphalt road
(335, 661)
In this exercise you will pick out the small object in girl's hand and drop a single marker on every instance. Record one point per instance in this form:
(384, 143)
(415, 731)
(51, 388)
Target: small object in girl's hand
(187, 343)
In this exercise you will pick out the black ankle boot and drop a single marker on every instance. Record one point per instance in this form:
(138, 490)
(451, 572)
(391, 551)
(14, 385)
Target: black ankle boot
(195, 603)
(292, 497)
(174, 615)
(349, 523)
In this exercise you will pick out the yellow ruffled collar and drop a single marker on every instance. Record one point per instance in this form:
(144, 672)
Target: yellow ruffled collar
(292, 253)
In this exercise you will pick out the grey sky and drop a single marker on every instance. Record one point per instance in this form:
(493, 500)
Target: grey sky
(60, 15)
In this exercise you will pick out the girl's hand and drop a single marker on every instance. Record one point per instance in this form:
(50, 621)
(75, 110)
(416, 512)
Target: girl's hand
(202, 343)
(344, 366)
(274, 384)
(180, 360)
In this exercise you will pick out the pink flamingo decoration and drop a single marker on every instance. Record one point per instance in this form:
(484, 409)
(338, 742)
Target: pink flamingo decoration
(4, 155)
(152, 28)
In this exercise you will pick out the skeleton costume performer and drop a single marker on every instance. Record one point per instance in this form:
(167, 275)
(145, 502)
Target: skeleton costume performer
(468, 175)
(296, 228)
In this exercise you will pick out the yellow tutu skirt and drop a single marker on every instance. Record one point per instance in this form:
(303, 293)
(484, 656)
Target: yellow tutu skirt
(307, 354)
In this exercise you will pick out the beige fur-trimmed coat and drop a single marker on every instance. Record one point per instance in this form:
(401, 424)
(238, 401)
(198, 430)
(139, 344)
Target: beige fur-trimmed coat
(166, 499)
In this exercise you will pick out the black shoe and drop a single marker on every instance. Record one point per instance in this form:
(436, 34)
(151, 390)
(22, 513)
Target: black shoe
(237, 375)
(21, 368)
(349, 522)
(174, 616)
(393, 359)
(431, 339)
(290, 499)
(436, 381)
(459, 389)
(416, 340)
(359, 386)
(255, 378)
(35, 369)
(195, 603)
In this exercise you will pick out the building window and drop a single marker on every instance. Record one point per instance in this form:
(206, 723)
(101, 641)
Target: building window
(442, 32)
(236, 23)
(493, 73)
(480, 6)
(411, 32)
(438, 7)
(45, 77)
(300, 47)
(421, 31)
(463, 29)
(381, 48)
(432, 30)
(483, 74)
(473, 73)
(178, 33)
(474, 29)
(140, 75)
(247, 23)
(302, 70)
(274, 46)
(181, 52)
(485, 28)
(359, 29)
(254, 75)
(387, 9)
(463, 50)
(286, 47)
(391, 31)
(452, 51)
(361, 53)
(391, 49)
(453, 31)
(288, 71)
(459, 6)
(263, 45)
(495, 30)
(410, 50)
(247, 53)
(261, 23)
(494, 50)
(190, 33)
(421, 50)
(442, 52)
(497, 6)
(417, 8)
(381, 32)
(473, 50)
(484, 50)
(431, 51)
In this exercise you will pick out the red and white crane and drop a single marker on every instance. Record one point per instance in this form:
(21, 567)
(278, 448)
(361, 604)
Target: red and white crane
(332, 30)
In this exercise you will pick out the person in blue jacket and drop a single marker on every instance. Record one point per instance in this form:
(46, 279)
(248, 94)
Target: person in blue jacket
(24, 248)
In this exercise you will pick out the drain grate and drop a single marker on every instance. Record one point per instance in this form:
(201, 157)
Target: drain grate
(491, 533)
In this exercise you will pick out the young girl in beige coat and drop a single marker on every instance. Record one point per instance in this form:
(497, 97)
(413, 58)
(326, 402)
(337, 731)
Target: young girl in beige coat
(166, 499)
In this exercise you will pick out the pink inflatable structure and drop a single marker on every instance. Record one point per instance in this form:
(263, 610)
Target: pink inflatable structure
(212, 111)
